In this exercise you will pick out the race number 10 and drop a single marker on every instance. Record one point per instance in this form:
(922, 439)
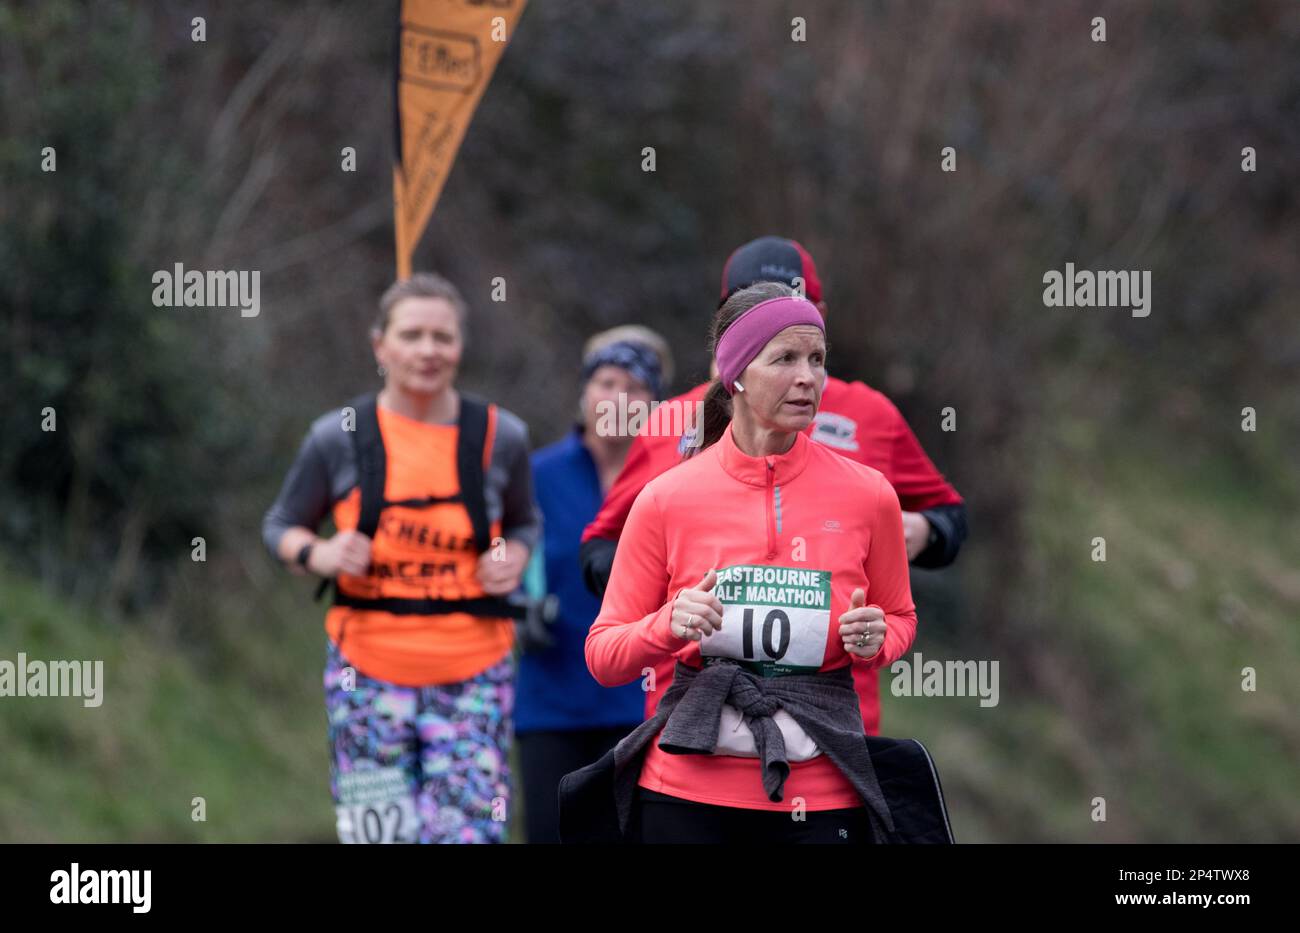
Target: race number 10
(776, 634)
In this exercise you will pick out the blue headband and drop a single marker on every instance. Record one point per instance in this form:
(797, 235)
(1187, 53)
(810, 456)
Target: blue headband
(638, 359)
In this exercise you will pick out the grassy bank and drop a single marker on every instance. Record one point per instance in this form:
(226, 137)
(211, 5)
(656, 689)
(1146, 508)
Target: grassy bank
(1123, 679)
(239, 724)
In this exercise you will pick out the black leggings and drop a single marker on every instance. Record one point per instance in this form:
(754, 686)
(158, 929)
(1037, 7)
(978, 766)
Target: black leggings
(661, 819)
(544, 758)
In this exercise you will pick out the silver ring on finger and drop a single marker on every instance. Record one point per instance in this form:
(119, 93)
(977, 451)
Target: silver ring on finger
(862, 640)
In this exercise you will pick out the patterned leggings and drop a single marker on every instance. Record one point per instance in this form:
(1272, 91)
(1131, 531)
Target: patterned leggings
(419, 764)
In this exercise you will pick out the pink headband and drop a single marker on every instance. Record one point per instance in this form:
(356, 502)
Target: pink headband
(749, 333)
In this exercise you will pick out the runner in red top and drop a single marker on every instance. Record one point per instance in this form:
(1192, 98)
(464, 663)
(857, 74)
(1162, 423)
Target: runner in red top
(854, 419)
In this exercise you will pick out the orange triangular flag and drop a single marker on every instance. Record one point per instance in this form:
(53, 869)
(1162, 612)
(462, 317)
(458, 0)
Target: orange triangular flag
(446, 53)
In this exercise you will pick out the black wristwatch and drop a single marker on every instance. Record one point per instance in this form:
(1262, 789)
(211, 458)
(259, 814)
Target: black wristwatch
(304, 555)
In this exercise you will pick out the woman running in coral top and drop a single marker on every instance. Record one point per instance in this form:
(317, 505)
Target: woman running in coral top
(767, 566)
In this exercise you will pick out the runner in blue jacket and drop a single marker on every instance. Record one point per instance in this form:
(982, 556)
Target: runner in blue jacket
(563, 718)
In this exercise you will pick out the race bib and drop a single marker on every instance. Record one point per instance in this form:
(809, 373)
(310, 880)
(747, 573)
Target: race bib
(376, 806)
(775, 620)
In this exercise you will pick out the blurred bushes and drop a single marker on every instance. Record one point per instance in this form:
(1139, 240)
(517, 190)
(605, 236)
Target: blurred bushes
(125, 475)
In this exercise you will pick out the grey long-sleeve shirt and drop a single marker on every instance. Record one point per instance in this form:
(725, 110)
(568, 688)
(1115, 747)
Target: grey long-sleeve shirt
(325, 471)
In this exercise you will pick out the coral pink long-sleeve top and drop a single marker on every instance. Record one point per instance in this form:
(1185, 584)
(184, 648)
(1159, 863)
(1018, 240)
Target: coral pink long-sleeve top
(774, 518)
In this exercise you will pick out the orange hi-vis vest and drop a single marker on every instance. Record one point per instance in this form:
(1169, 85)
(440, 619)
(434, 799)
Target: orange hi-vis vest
(420, 616)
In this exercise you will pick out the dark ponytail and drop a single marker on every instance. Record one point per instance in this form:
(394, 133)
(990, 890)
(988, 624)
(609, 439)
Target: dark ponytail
(716, 414)
(714, 417)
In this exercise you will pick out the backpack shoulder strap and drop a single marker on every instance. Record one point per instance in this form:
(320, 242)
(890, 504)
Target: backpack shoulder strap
(372, 471)
(372, 463)
(477, 418)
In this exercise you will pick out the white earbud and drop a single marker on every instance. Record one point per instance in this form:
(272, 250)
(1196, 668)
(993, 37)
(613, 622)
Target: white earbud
(739, 387)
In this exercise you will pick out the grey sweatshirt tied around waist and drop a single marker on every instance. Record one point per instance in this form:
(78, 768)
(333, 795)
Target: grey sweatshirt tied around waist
(824, 704)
